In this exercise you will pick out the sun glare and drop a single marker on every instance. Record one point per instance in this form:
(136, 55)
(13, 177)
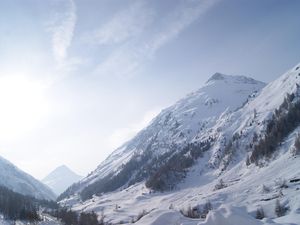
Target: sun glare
(23, 105)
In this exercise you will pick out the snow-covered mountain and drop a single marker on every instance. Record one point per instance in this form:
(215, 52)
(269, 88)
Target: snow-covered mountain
(175, 127)
(60, 179)
(232, 144)
(21, 182)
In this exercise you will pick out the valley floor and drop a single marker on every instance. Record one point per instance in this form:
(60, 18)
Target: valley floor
(47, 220)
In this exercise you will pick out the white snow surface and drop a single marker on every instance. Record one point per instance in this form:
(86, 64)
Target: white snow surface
(234, 205)
(247, 188)
(60, 179)
(21, 182)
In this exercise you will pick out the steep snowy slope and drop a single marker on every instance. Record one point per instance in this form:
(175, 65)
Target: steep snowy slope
(249, 124)
(19, 181)
(60, 179)
(178, 125)
(245, 187)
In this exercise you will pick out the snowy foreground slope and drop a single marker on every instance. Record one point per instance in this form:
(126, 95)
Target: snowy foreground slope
(236, 204)
(236, 183)
(21, 182)
(60, 179)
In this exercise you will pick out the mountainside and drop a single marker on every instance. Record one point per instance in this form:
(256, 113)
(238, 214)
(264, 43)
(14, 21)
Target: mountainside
(241, 158)
(60, 179)
(169, 133)
(243, 131)
(21, 182)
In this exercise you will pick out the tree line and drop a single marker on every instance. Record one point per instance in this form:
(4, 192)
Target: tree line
(174, 168)
(285, 119)
(15, 206)
(69, 217)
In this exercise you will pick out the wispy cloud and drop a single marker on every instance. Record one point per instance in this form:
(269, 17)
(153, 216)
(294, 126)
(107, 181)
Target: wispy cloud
(126, 59)
(182, 17)
(62, 29)
(124, 25)
(122, 63)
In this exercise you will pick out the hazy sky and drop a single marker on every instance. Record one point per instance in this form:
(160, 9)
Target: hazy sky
(80, 77)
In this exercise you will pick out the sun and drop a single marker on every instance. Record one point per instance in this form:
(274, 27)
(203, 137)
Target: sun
(22, 105)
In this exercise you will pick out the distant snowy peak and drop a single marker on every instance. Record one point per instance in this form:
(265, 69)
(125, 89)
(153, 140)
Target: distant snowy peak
(60, 179)
(61, 170)
(21, 182)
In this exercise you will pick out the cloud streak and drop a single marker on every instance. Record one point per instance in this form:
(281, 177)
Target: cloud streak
(62, 32)
(126, 59)
(122, 63)
(177, 21)
(124, 25)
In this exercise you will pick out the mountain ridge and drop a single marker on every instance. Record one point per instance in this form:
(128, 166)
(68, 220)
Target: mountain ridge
(17, 180)
(196, 112)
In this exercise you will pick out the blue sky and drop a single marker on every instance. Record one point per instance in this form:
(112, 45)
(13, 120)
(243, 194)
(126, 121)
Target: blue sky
(80, 77)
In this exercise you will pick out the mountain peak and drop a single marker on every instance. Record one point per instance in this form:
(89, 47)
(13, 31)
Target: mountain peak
(216, 76)
(61, 178)
(62, 168)
(232, 78)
